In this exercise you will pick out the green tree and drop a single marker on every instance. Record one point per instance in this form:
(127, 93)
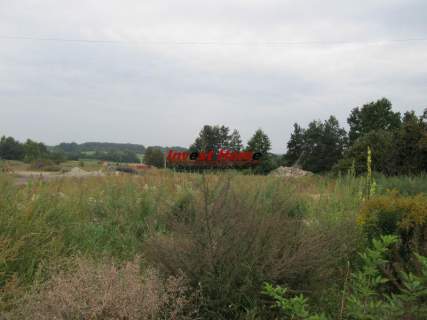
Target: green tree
(35, 151)
(383, 147)
(295, 146)
(11, 149)
(410, 153)
(372, 116)
(319, 147)
(154, 157)
(212, 138)
(235, 141)
(259, 142)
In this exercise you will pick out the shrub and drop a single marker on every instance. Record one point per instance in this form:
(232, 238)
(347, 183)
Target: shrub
(369, 295)
(405, 216)
(228, 243)
(92, 290)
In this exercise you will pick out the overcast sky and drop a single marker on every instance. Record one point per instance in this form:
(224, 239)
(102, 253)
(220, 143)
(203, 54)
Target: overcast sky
(173, 66)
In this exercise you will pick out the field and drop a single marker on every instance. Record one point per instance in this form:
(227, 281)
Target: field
(166, 245)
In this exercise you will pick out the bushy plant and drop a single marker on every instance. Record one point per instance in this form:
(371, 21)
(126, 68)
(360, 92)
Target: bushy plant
(228, 243)
(295, 307)
(91, 290)
(369, 296)
(404, 216)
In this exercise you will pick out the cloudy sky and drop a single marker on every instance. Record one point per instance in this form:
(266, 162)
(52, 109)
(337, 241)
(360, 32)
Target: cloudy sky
(154, 72)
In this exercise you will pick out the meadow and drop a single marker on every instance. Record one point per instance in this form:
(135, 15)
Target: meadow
(168, 245)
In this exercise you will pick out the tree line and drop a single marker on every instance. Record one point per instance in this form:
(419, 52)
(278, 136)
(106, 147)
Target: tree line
(398, 143)
(217, 137)
(30, 151)
(11, 149)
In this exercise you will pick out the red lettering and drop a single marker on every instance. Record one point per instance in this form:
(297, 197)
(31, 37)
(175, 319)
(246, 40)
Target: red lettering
(245, 156)
(223, 155)
(170, 155)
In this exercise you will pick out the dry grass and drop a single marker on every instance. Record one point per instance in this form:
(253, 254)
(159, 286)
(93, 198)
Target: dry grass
(93, 290)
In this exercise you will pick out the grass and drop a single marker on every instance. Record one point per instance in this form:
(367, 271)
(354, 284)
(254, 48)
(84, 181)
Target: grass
(45, 224)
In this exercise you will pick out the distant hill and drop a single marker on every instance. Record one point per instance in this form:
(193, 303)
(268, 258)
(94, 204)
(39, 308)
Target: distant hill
(98, 147)
(103, 147)
(166, 149)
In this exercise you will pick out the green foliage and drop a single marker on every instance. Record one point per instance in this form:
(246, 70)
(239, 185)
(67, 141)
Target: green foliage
(294, 307)
(235, 143)
(259, 142)
(103, 147)
(154, 157)
(405, 185)
(43, 222)
(398, 146)
(268, 163)
(369, 296)
(114, 156)
(382, 144)
(398, 150)
(371, 117)
(10, 149)
(411, 153)
(35, 151)
(318, 147)
(216, 138)
(229, 233)
(404, 216)
(295, 146)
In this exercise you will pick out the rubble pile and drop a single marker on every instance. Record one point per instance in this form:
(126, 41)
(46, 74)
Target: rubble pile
(290, 172)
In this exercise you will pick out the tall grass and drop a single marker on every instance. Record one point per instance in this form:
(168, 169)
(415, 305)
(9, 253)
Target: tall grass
(47, 223)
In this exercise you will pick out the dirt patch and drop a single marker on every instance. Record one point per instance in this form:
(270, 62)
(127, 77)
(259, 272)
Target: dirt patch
(77, 172)
(22, 177)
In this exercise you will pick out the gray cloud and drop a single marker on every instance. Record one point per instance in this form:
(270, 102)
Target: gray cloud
(163, 93)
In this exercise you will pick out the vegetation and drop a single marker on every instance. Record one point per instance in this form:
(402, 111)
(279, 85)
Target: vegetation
(399, 144)
(225, 245)
(217, 237)
(216, 138)
(317, 148)
(368, 295)
(154, 157)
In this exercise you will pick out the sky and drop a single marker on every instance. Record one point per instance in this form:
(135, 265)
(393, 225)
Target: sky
(154, 72)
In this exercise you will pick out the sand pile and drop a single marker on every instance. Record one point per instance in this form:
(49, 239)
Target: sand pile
(290, 172)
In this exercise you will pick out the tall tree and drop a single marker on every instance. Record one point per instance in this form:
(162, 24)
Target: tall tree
(295, 146)
(318, 147)
(410, 154)
(35, 150)
(11, 149)
(372, 116)
(381, 142)
(212, 138)
(235, 143)
(259, 142)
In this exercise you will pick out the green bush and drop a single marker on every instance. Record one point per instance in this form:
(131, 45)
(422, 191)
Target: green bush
(404, 216)
(369, 295)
